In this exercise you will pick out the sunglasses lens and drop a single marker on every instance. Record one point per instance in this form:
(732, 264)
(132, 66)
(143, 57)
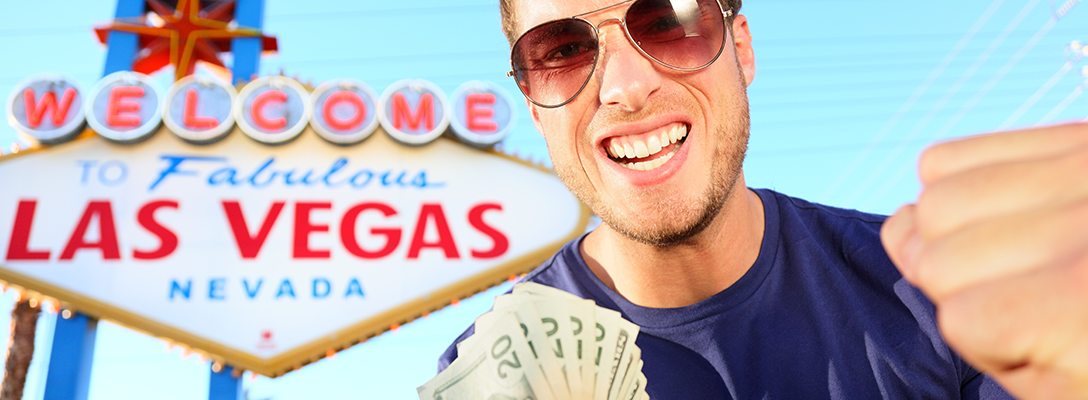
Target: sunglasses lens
(684, 34)
(553, 61)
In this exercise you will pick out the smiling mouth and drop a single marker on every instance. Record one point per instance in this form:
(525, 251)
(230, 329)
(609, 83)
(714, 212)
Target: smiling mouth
(647, 151)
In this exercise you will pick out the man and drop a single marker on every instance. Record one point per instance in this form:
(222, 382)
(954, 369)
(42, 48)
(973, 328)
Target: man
(752, 294)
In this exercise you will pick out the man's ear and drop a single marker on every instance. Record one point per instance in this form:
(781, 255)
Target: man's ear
(536, 117)
(742, 41)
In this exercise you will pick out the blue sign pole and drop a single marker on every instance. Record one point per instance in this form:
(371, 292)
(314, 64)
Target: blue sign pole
(69, 374)
(122, 46)
(247, 51)
(223, 385)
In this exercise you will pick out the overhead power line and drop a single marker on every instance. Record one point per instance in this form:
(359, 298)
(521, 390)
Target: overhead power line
(1065, 103)
(943, 132)
(1015, 116)
(937, 71)
(951, 123)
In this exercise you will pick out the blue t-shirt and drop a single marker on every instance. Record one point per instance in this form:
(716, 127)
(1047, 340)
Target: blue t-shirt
(822, 314)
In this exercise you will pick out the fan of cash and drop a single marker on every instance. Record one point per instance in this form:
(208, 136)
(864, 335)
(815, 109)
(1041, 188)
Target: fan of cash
(546, 344)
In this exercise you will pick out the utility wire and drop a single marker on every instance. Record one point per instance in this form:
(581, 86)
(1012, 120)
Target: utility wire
(1068, 66)
(905, 168)
(966, 108)
(960, 114)
(1065, 103)
(937, 71)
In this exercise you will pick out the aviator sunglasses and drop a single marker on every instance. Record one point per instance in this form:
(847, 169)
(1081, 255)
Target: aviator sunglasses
(553, 61)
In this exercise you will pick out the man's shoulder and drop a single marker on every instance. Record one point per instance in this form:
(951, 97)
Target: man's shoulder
(843, 242)
(799, 220)
(559, 270)
(790, 206)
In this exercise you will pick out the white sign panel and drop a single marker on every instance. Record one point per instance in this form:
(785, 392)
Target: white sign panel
(267, 257)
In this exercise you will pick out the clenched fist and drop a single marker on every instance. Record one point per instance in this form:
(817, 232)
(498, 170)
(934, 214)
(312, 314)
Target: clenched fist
(998, 240)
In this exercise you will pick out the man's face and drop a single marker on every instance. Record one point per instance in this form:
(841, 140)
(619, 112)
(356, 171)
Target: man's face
(659, 197)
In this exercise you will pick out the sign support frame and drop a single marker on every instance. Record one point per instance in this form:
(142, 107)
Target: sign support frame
(247, 51)
(72, 355)
(223, 385)
(69, 376)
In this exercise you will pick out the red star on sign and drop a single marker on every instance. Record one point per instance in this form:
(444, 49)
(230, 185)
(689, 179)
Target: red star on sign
(184, 35)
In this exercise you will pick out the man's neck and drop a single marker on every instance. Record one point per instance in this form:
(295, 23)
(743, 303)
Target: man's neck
(681, 275)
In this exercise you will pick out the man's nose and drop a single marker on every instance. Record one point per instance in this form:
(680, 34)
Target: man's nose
(626, 78)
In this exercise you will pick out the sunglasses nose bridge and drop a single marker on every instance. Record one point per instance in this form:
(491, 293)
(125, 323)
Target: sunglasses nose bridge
(607, 20)
(621, 25)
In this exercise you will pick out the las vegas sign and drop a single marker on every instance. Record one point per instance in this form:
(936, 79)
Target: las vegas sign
(270, 226)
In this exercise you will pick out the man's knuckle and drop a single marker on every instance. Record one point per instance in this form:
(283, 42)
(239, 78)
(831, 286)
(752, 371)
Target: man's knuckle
(1075, 160)
(955, 326)
(929, 274)
(930, 162)
(928, 209)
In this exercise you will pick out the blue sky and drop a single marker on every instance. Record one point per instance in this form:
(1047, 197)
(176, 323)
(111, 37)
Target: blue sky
(846, 94)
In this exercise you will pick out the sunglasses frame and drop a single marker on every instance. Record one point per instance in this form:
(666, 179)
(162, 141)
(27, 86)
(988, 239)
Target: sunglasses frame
(597, 35)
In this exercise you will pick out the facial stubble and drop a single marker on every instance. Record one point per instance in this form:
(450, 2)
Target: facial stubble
(684, 225)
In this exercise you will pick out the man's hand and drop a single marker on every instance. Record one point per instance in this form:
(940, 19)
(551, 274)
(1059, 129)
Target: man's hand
(999, 241)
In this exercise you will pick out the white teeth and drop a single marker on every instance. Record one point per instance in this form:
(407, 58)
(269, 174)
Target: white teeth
(616, 150)
(640, 149)
(653, 145)
(629, 147)
(648, 165)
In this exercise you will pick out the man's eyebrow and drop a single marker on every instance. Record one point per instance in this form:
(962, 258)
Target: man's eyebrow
(551, 29)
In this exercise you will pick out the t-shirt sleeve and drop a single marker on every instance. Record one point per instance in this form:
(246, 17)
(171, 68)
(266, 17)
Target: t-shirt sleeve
(983, 387)
(450, 354)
